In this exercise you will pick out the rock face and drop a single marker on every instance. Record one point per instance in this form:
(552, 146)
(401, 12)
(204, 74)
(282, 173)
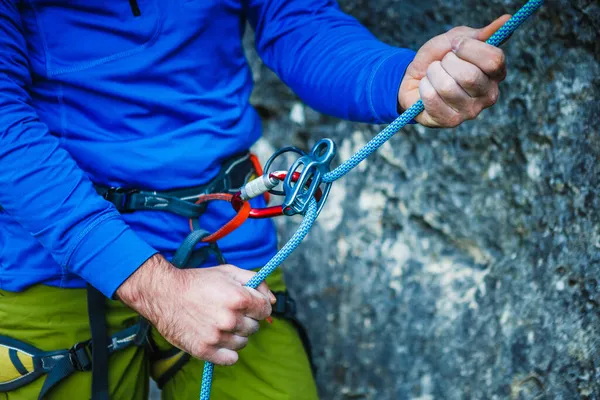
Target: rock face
(465, 263)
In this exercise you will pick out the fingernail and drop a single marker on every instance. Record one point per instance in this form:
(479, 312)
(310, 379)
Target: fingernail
(272, 297)
(456, 43)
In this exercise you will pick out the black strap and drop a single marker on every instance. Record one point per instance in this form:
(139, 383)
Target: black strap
(14, 358)
(184, 252)
(97, 316)
(61, 364)
(63, 368)
(285, 307)
(234, 173)
(163, 379)
(136, 200)
(188, 256)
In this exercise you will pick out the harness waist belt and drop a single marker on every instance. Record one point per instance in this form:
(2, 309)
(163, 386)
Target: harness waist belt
(234, 173)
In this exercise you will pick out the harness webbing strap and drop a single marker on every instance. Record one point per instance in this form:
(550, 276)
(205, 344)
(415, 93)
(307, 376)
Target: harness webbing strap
(97, 316)
(230, 226)
(234, 173)
(22, 363)
(12, 354)
(183, 254)
(63, 368)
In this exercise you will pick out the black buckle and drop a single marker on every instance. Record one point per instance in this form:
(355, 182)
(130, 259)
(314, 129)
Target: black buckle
(285, 306)
(80, 356)
(119, 197)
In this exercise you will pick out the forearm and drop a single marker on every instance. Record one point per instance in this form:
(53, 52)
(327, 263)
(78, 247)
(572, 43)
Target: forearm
(332, 62)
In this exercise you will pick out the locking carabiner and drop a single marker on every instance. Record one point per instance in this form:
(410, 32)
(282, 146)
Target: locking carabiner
(259, 186)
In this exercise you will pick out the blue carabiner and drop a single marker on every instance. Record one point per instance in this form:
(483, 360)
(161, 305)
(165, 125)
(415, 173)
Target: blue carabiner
(313, 167)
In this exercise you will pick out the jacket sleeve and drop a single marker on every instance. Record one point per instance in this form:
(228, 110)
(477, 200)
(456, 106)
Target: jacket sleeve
(42, 187)
(328, 58)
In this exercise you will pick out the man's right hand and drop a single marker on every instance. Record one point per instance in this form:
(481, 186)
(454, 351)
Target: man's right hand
(206, 312)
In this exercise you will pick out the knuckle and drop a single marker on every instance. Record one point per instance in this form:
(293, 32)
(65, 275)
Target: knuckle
(455, 120)
(458, 30)
(498, 60)
(435, 65)
(241, 300)
(268, 309)
(201, 351)
(213, 338)
(473, 112)
(493, 95)
(470, 78)
(448, 58)
(446, 88)
(431, 69)
(428, 96)
(228, 323)
(253, 328)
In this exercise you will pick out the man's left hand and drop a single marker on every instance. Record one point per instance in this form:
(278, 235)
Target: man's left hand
(456, 74)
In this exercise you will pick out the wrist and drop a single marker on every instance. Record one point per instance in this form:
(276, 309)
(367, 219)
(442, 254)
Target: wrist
(146, 283)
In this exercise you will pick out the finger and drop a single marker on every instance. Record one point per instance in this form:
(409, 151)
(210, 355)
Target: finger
(448, 89)
(485, 33)
(260, 306)
(470, 78)
(481, 34)
(243, 276)
(223, 356)
(437, 113)
(246, 326)
(486, 57)
(264, 289)
(240, 324)
(232, 342)
(240, 275)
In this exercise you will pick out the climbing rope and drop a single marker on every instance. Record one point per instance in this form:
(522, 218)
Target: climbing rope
(302, 200)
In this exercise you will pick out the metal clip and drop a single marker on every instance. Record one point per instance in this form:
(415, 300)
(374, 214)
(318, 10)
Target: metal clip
(237, 200)
(311, 167)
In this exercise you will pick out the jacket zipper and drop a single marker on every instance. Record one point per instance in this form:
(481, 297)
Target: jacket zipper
(135, 8)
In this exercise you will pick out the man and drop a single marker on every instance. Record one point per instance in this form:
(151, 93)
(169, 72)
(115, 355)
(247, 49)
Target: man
(153, 94)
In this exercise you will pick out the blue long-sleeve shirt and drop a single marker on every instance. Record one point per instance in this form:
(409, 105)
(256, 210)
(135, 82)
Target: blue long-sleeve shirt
(90, 92)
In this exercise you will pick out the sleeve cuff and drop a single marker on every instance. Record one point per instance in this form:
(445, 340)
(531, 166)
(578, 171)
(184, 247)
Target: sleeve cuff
(385, 83)
(109, 254)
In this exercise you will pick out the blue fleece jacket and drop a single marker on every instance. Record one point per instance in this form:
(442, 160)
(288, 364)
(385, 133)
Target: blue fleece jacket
(96, 92)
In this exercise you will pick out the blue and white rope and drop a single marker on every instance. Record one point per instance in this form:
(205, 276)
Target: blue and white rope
(311, 215)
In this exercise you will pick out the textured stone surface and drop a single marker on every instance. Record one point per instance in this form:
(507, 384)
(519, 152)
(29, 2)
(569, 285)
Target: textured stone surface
(460, 264)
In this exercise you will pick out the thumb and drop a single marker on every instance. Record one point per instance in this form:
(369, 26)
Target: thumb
(485, 33)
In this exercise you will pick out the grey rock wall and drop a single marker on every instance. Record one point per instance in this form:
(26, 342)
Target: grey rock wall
(465, 263)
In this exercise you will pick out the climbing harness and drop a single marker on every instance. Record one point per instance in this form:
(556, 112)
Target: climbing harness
(314, 173)
(22, 363)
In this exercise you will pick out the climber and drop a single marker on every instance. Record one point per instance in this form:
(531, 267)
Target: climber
(114, 118)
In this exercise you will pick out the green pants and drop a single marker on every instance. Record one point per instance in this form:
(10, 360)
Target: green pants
(274, 365)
